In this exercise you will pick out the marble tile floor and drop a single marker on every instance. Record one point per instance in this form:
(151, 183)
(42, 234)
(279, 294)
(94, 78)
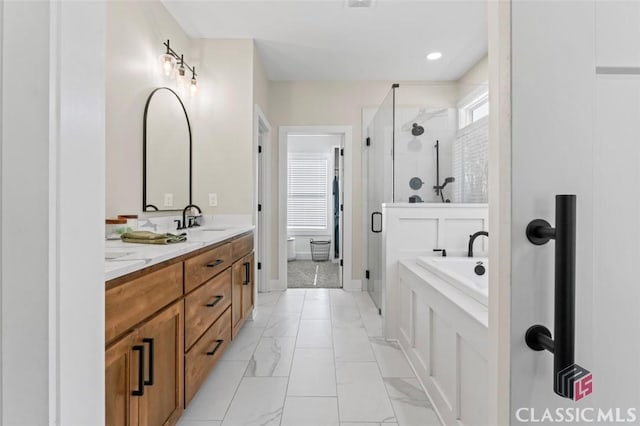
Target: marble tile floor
(312, 357)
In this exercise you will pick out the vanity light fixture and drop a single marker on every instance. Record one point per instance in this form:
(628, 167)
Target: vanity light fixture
(181, 75)
(194, 83)
(167, 61)
(170, 60)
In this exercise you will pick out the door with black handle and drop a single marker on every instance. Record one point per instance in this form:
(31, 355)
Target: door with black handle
(574, 129)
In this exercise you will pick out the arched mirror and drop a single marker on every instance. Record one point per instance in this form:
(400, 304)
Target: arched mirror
(166, 182)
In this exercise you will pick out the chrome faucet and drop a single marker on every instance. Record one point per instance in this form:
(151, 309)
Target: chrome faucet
(187, 224)
(472, 238)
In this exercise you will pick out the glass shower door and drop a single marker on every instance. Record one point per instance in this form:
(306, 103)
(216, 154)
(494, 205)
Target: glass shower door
(379, 190)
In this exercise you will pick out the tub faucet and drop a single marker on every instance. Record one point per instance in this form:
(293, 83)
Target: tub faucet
(187, 224)
(472, 239)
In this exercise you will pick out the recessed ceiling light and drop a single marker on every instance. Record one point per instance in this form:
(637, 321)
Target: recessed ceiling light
(359, 3)
(434, 56)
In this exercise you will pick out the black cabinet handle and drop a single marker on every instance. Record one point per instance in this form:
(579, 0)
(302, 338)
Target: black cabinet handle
(149, 340)
(219, 342)
(247, 273)
(372, 227)
(216, 300)
(140, 390)
(538, 337)
(214, 264)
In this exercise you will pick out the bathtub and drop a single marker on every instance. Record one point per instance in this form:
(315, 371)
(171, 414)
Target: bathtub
(442, 326)
(460, 273)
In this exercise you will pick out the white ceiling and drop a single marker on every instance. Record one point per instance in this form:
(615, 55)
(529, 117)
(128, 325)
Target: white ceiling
(325, 40)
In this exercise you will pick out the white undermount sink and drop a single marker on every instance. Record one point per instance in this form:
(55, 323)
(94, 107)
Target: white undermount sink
(211, 228)
(115, 254)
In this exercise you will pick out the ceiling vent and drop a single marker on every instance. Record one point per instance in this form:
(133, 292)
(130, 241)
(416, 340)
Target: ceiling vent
(359, 3)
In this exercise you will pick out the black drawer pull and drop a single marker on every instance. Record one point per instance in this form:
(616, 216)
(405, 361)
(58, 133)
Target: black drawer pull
(247, 273)
(140, 390)
(216, 300)
(214, 264)
(219, 342)
(149, 340)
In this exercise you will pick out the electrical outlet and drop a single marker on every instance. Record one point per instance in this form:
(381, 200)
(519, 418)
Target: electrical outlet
(213, 199)
(168, 200)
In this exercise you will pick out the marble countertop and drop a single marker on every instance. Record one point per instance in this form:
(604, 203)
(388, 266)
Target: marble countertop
(123, 258)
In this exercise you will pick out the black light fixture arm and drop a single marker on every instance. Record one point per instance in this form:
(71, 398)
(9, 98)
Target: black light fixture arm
(179, 58)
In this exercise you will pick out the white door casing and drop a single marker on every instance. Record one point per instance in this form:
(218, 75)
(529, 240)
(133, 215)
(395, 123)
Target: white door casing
(262, 167)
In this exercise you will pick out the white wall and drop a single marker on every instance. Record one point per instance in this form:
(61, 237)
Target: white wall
(53, 185)
(230, 79)
(135, 33)
(223, 126)
(475, 76)
(25, 191)
(261, 83)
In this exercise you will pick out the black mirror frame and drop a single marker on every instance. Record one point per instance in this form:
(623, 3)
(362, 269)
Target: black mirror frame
(150, 207)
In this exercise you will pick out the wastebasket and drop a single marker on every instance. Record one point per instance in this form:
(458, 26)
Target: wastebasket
(320, 250)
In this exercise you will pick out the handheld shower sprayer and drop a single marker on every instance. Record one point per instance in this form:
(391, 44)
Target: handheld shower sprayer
(438, 188)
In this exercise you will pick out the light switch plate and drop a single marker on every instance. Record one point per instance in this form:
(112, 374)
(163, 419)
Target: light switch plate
(213, 199)
(168, 200)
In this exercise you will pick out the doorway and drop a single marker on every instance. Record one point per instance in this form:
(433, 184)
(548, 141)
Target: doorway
(315, 226)
(313, 210)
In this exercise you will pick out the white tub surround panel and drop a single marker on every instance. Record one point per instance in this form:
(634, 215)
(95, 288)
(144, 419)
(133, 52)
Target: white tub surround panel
(413, 230)
(444, 333)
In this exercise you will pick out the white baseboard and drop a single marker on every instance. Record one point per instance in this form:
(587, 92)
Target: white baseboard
(304, 255)
(352, 285)
(276, 285)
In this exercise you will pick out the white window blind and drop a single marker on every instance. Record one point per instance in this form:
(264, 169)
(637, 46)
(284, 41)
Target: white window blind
(307, 198)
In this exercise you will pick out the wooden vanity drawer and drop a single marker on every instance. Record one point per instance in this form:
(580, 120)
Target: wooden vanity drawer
(241, 246)
(132, 302)
(205, 304)
(202, 267)
(204, 355)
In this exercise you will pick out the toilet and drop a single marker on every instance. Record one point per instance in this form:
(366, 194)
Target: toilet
(291, 249)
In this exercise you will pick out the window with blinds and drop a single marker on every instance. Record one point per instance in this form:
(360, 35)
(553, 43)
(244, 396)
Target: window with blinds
(308, 194)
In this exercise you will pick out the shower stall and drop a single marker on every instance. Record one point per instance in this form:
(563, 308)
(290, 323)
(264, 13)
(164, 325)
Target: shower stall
(426, 143)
